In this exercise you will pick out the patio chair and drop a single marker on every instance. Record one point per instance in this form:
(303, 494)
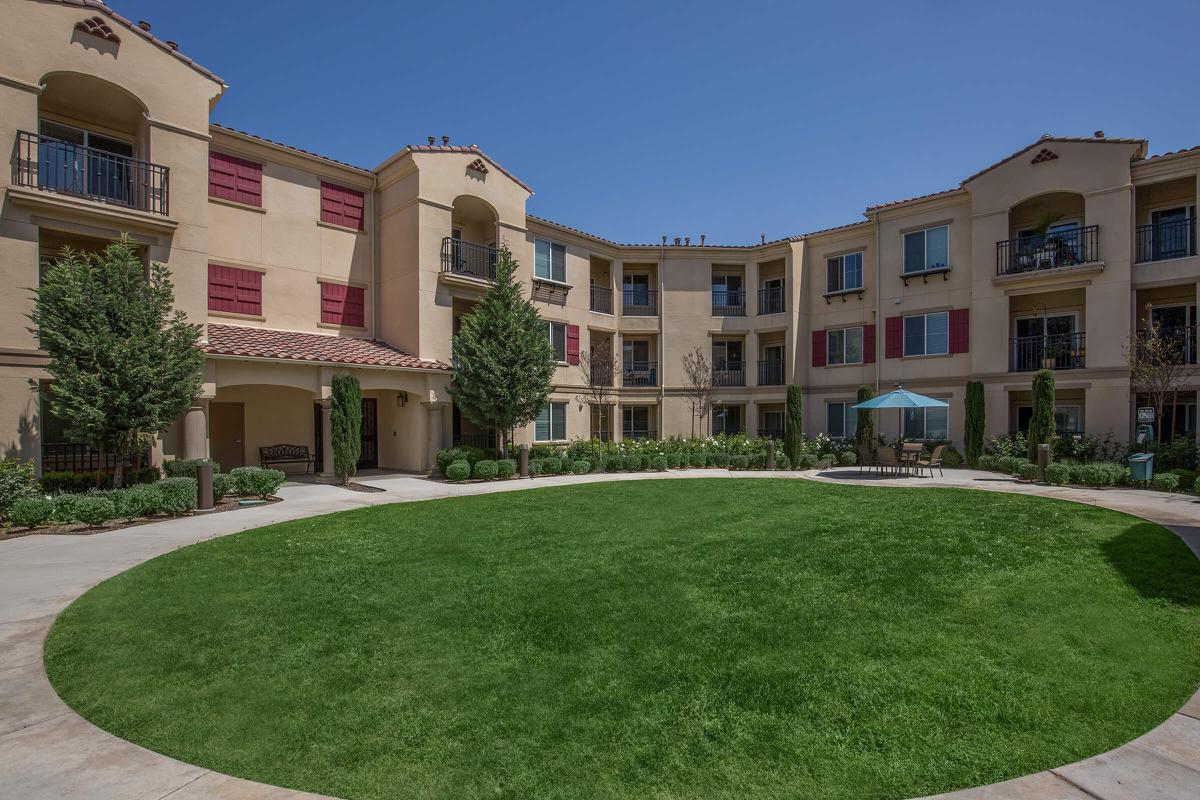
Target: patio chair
(934, 460)
(865, 458)
(887, 459)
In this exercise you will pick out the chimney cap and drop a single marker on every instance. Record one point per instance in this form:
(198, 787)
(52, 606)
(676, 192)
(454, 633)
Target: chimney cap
(445, 141)
(432, 139)
(677, 240)
(172, 45)
(1098, 134)
(144, 25)
(664, 238)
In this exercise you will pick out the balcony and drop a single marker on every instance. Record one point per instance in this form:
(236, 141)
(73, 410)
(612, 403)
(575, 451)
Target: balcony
(1166, 240)
(728, 303)
(1179, 341)
(1056, 351)
(1064, 248)
(729, 374)
(640, 373)
(601, 299)
(602, 373)
(639, 433)
(770, 373)
(460, 257)
(637, 301)
(43, 162)
(770, 300)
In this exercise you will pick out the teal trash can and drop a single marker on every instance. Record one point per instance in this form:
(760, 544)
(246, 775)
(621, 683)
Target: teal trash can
(1141, 466)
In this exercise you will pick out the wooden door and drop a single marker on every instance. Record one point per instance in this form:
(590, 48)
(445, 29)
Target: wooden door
(227, 434)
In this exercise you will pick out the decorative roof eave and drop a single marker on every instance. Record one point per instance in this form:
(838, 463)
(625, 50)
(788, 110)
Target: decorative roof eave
(271, 344)
(271, 143)
(451, 148)
(1060, 139)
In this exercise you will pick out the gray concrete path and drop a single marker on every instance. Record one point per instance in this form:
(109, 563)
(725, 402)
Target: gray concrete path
(49, 752)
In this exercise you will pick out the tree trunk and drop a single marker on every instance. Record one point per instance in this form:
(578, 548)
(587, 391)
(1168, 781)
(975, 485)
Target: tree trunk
(501, 444)
(119, 468)
(99, 465)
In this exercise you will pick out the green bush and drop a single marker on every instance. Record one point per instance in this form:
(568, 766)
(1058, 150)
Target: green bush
(446, 457)
(975, 422)
(345, 424)
(506, 468)
(1165, 482)
(94, 509)
(782, 461)
(186, 468)
(1009, 464)
(581, 467)
(222, 485)
(31, 512)
(65, 508)
(17, 482)
(757, 461)
(599, 462)
(1057, 473)
(80, 482)
(458, 470)
(720, 460)
(178, 495)
(951, 458)
(1094, 475)
(1028, 471)
(738, 461)
(1187, 478)
(485, 469)
(633, 463)
(848, 458)
(988, 462)
(827, 461)
(697, 460)
(1041, 421)
(144, 500)
(257, 481)
(806, 461)
(552, 466)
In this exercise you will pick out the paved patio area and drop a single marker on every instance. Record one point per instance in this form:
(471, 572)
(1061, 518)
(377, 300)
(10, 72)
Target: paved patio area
(48, 751)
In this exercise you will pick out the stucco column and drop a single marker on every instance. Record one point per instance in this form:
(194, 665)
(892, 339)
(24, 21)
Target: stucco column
(327, 472)
(195, 430)
(434, 440)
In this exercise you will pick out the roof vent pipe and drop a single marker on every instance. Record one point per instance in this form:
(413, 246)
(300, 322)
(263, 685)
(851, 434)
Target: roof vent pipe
(664, 238)
(1098, 134)
(172, 45)
(687, 240)
(762, 238)
(702, 240)
(677, 241)
(445, 141)
(432, 139)
(144, 25)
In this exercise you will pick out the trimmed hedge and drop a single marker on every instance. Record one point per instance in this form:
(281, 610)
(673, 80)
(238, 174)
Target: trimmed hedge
(257, 481)
(1165, 482)
(581, 467)
(848, 458)
(178, 495)
(186, 468)
(16, 483)
(485, 469)
(782, 461)
(988, 462)
(1008, 464)
(222, 485)
(659, 464)
(458, 470)
(31, 512)
(1057, 473)
(697, 460)
(80, 482)
(448, 456)
(739, 462)
(1028, 471)
(506, 468)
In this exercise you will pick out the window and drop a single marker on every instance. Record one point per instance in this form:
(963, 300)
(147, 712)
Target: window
(727, 354)
(726, 420)
(342, 206)
(927, 334)
(931, 424)
(551, 423)
(927, 249)
(233, 178)
(844, 272)
(636, 422)
(772, 424)
(558, 339)
(1066, 420)
(844, 346)
(343, 305)
(842, 420)
(550, 260)
(234, 291)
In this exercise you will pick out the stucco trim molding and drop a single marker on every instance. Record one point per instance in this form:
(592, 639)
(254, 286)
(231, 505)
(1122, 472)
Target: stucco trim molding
(17, 83)
(173, 128)
(122, 218)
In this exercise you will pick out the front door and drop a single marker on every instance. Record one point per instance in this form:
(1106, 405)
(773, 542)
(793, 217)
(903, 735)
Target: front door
(227, 434)
(368, 457)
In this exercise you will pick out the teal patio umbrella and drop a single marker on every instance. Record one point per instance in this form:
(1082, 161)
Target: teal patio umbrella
(900, 399)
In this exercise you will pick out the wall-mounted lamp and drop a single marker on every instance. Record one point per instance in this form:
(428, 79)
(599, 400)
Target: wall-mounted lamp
(401, 399)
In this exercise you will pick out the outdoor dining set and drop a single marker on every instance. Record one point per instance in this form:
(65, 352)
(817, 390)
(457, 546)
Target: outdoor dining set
(908, 459)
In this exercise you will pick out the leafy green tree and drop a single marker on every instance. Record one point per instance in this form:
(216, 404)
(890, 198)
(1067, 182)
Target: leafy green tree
(123, 363)
(793, 425)
(345, 425)
(975, 422)
(1041, 423)
(865, 433)
(503, 360)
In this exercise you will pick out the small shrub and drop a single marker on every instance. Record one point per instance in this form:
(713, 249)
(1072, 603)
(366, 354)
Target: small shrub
(178, 495)
(94, 509)
(1187, 479)
(506, 468)
(186, 468)
(222, 485)
(16, 483)
(1008, 464)
(659, 463)
(448, 456)
(676, 460)
(633, 463)
(1093, 475)
(599, 462)
(848, 458)
(31, 512)
(65, 508)
(1165, 482)
(827, 461)
(458, 470)
(144, 500)
(552, 465)
(1028, 471)
(485, 469)
(988, 462)
(1057, 473)
(782, 461)
(806, 461)
(697, 460)
(720, 460)
(257, 481)
(757, 461)
(581, 467)
(951, 458)
(739, 461)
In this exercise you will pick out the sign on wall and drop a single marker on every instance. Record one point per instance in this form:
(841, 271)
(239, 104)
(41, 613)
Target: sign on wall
(1145, 415)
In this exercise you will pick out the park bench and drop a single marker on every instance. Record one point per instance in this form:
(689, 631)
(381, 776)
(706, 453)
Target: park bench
(286, 454)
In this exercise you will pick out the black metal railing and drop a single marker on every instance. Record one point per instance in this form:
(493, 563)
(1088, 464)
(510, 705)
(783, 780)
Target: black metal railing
(484, 441)
(1056, 351)
(770, 300)
(43, 162)
(639, 302)
(770, 433)
(461, 257)
(639, 433)
(1179, 342)
(1048, 251)
(729, 373)
(1164, 240)
(770, 372)
(602, 374)
(601, 299)
(728, 303)
(602, 435)
(640, 373)
(68, 457)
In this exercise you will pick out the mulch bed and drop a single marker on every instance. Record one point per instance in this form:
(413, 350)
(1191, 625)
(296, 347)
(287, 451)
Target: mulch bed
(359, 487)
(80, 529)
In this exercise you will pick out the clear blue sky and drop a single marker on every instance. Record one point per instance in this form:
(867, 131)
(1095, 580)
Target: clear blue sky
(634, 120)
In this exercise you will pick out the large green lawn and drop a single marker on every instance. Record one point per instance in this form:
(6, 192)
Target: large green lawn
(653, 639)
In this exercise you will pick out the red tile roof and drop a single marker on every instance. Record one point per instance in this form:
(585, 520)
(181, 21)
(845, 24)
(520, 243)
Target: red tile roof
(302, 152)
(1048, 139)
(99, 6)
(237, 340)
(890, 203)
(459, 148)
(1173, 153)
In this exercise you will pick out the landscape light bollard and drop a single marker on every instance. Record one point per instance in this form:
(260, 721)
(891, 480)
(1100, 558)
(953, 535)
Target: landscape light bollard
(204, 493)
(1043, 460)
(770, 454)
(523, 458)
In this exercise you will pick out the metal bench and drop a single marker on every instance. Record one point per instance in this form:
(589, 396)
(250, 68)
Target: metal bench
(286, 454)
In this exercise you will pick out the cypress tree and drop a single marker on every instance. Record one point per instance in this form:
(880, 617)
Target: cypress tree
(503, 359)
(975, 422)
(345, 425)
(1041, 424)
(793, 427)
(866, 423)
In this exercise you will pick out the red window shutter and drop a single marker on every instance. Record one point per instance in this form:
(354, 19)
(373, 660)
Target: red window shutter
(354, 312)
(960, 330)
(343, 305)
(868, 344)
(818, 348)
(893, 331)
(342, 206)
(233, 290)
(233, 178)
(572, 344)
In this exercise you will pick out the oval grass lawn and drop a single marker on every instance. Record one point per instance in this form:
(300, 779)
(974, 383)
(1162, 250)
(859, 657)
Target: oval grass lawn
(665, 639)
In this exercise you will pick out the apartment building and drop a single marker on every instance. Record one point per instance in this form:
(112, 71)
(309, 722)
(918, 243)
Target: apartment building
(300, 266)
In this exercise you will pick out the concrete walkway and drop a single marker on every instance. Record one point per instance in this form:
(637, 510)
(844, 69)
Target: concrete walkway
(47, 751)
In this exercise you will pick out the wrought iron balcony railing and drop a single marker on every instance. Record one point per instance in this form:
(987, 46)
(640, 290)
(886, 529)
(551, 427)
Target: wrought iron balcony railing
(639, 433)
(639, 302)
(1056, 351)
(460, 257)
(770, 300)
(43, 162)
(601, 299)
(1178, 341)
(640, 373)
(729, 374)
(728, 303)
(770, 372)
(1048, 251)
(770, 433)
(1165, 240)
